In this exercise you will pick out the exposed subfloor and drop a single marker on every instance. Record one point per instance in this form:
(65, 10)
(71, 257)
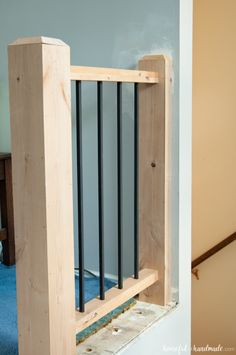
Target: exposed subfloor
(122, 330)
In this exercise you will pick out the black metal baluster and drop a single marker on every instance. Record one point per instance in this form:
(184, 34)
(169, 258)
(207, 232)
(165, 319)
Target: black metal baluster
(119, 185)
(100, 188)
(80, 194)
(136, 183)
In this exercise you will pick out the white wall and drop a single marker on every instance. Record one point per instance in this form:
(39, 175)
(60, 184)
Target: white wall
(214, 171)
(172, 334)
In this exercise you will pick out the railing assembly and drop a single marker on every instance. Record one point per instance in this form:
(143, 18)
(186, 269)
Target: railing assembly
(40, 78)
(93, 74)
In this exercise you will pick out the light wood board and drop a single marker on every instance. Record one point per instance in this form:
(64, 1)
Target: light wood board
(96, 309)
(155, 176)
(39, 79)
(111, 74)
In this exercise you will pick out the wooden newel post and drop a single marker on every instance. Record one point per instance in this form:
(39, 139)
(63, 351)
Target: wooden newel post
(155, 176)
(40, 106)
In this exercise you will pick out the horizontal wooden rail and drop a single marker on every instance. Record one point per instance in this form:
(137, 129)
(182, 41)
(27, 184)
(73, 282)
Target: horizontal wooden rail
(3, 234)
(96, 309)
(113, 75)
(214, 250)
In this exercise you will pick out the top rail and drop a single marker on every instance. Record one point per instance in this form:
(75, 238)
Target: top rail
(113, 75)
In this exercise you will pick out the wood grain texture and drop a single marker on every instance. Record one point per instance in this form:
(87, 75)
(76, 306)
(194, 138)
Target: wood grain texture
(4, 156)
(39, 80)
(96, 309)
(155, 176)
(3, 234)
(2, 170)
(9, 242)
(6, 206)
(111, 74)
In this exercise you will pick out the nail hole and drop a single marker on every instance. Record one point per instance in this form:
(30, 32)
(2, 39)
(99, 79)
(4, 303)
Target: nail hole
(116, 330)
(153, 164)
(139, 312)
(18, 78)
(89, 350)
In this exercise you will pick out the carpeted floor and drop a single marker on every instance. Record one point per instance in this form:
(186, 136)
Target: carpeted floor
(8, 311)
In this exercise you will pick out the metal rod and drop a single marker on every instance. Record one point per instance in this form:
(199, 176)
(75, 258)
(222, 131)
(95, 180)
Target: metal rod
(119, 185)
(100, 188)
(136, 182)
(80, 194)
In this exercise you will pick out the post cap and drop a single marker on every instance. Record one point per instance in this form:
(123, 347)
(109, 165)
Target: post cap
(38, 40)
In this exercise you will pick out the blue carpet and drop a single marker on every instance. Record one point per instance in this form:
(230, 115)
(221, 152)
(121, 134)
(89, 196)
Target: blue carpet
(8, 311)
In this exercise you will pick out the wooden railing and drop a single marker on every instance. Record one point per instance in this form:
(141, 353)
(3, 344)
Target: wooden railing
(212, 251)
(40, 77)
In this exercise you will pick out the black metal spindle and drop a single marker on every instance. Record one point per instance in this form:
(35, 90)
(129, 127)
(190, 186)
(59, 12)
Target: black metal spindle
(119, 185)
(100, 188)
(136, 182)
(80, 194)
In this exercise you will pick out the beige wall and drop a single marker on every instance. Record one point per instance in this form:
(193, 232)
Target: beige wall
(214, 170)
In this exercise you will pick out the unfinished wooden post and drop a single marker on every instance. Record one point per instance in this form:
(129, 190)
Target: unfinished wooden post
(154, 194)
(40, 105)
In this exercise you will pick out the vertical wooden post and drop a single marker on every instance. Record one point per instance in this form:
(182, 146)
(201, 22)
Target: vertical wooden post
(40, 105)
(155, 174)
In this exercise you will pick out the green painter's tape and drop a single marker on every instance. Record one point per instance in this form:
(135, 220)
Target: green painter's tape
(95, 327)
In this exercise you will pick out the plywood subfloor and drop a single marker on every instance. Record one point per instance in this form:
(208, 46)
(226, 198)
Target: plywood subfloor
(122, 330)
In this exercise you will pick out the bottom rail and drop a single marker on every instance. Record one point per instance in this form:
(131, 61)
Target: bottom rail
(96, 309)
